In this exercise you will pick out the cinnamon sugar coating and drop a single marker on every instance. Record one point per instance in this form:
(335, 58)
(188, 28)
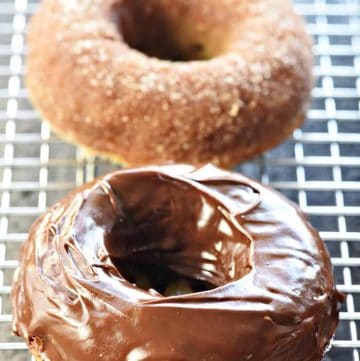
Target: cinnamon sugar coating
(239, 85)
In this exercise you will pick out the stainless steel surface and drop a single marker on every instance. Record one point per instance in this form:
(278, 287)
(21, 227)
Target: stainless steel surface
(319, 167)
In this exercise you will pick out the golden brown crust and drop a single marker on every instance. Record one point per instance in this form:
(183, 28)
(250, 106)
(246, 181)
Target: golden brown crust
(97, 91)
(36, 356)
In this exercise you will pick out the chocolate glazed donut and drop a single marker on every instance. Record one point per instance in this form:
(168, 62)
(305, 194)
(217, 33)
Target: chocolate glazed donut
(263, 277)
(151, 81)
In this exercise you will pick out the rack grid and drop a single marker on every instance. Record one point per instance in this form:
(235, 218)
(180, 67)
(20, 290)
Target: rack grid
(319, 167)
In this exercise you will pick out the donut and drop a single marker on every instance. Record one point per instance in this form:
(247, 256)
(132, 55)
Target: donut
(175, 263)
(151, 81)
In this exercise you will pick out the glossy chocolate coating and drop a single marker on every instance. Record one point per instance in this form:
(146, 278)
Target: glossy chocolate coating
(274, 297)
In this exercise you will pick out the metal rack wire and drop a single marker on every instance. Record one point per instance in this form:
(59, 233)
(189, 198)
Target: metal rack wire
(319, 167)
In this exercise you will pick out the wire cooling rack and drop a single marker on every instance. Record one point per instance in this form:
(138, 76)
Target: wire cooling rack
(319, 168)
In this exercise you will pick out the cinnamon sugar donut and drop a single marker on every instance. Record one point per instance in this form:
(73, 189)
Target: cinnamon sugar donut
(146, 81)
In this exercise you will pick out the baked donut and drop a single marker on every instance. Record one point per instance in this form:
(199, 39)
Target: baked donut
(151, 81)
(259, 275)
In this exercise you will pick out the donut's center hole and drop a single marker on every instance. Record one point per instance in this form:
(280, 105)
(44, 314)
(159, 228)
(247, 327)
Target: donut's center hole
(169, 236)
(151, 28)
(147, 275)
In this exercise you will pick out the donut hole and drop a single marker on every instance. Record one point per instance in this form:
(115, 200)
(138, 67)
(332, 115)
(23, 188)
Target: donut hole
(171, 237)
(162, 32)
(147, 275)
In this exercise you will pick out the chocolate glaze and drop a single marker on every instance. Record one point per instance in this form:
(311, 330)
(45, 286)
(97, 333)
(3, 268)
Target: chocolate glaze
(273, 299)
